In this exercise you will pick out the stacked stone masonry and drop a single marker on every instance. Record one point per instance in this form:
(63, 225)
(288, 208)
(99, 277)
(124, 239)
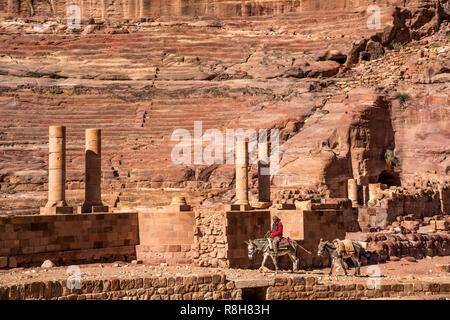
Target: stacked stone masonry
(308, 227)
(29, 240)
(217, 287)
(166, 236)
(240, 227)
(210, 242)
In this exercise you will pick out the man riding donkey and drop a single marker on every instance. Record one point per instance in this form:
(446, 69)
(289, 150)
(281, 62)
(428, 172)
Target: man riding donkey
(274, 245)
(276, 234)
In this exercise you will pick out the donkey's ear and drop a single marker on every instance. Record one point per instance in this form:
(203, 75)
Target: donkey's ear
(246, 242)
(321, 239)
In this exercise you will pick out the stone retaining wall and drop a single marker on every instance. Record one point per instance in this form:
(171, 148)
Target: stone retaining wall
(310, 288)
(308, 227)
(421, 204)
(28, 240)
(152, 288)
(166, 237)
(217, 287)
(209, 238)
(220, 237)
(240, 227)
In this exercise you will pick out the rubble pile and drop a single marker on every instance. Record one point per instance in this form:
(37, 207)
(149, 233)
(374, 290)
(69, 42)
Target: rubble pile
(380, 247)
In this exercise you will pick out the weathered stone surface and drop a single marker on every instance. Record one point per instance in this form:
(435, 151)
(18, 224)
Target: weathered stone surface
(165, 68)
(239, 284)
(443, 267)
(47, 264)
(319, 154)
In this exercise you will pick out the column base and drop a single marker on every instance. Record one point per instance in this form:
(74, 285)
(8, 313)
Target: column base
(56, 210)
(92, 209)
(262, 204)
(238, 207)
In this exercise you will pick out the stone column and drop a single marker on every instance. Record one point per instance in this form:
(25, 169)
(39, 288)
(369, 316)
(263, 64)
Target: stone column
(241, 202)
(93, 174)
(365, 195)
(352, 187)
(56, 173)
(242, 172)
(263, 172)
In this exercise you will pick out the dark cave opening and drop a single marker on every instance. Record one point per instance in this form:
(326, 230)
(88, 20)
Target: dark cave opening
(390, 178)
(339, 59)
(258, 293)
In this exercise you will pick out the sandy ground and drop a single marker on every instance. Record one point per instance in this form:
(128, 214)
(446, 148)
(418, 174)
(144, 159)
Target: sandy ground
(424, 269)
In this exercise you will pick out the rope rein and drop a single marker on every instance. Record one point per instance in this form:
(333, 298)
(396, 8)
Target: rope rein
(307, 251)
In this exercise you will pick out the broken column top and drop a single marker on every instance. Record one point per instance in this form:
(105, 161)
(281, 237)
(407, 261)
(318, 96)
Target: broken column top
(57, 131)
(178, 200)
(178, 203)
(92, 133)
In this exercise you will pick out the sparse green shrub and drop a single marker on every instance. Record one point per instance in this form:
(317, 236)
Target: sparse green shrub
(389, 157)
(401, 97)
(398, 46)
(434, 45)
(372, 203)
(10, 190)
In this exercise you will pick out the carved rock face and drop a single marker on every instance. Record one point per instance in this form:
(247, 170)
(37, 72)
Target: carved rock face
(134, 9)
(139, 81)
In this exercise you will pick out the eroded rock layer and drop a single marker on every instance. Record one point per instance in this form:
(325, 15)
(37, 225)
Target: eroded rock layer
(130, 9)
(343, 95)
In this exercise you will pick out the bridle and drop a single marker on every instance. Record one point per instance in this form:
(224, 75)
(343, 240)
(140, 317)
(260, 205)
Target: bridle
(254, 249)
(325, 247)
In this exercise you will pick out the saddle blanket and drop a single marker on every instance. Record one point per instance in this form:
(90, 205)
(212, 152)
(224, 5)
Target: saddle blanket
(344, 246)
(284, 242)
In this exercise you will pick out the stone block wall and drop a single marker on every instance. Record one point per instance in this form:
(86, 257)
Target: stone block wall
(375, 217)
(210, 242)
(218, 287)
(166, 236)
(420, 205)
(66, 238)
(350, 214)
(220, 237)
(310, 288)
(201, 287)
(240, 227)
(445, 201)
(307, 227)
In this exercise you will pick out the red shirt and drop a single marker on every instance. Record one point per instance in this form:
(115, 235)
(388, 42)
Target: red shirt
(279, 232)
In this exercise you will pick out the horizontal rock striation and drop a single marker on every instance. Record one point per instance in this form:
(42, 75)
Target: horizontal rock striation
(138, 81)
(135, 9)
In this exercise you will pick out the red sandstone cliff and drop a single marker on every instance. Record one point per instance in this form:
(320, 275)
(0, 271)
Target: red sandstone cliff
(315, 72)
(132, 9)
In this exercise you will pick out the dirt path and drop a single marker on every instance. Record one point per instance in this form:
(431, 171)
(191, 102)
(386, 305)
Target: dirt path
(393, 270)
